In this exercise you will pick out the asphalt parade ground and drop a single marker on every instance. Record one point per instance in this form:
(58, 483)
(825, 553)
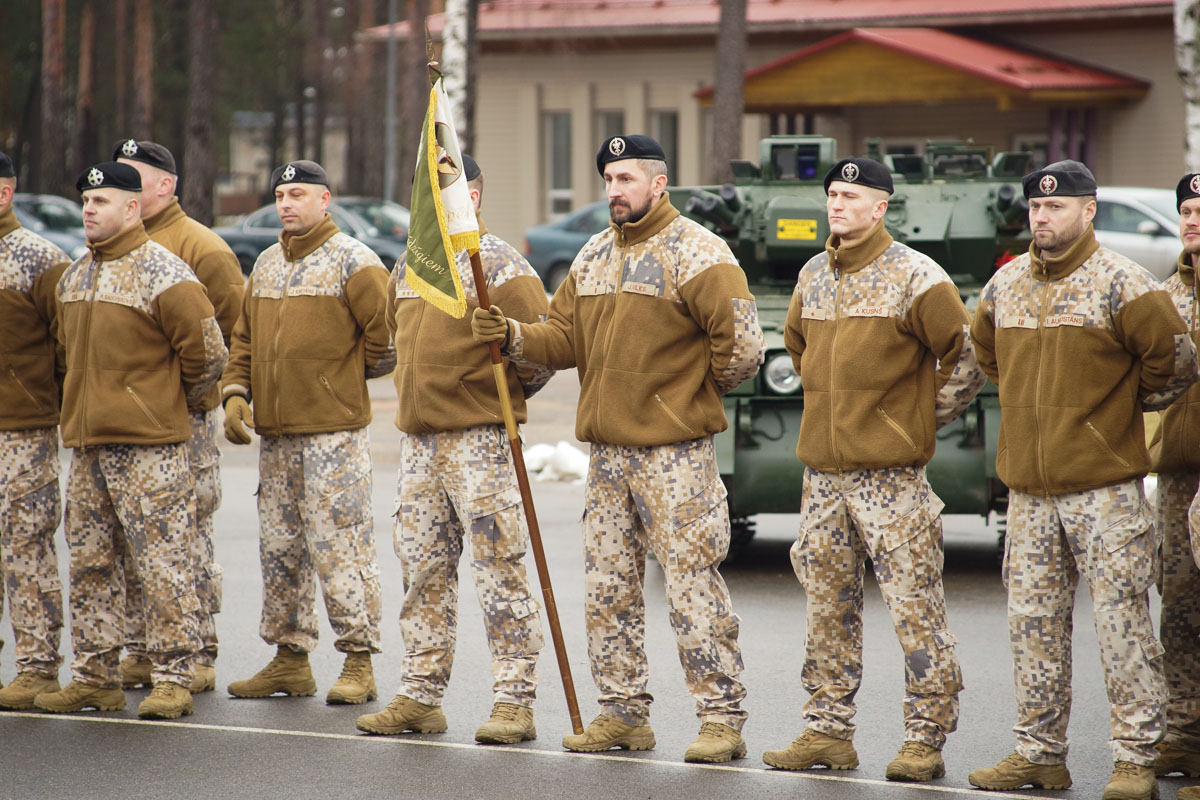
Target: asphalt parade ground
(302, 748)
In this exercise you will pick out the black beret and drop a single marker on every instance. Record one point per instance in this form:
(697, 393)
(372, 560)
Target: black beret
(634, 145)
(1187, 188)
(861, 172)
(6, 167)
(1060, 179)
(147, 152)
(470, 168)
(299, 172)
(109, 175)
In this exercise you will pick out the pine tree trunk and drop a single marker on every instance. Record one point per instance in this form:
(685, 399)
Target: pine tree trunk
(121, 57)
(52, 143)
(143, 70)
(84, 143)
(415, 96)
(1187, 59)
(727, 89)
(199, 153)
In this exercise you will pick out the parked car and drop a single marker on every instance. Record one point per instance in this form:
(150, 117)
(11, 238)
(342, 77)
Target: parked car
(260, 229)
(552, 247)
(55, 218)
(1140, 223)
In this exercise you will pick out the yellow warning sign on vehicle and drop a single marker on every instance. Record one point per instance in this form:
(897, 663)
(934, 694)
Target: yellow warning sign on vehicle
(797, 229)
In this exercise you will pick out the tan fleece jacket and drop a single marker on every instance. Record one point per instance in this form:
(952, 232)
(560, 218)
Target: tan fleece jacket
(141, 342)
(31, 359)
(879, 336)
(213, 262)
(658, 320)
(1176, 444)
(311, 331)
(444, 379)
(1077, 344)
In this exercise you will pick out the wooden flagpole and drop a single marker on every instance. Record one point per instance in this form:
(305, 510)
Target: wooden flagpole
(535, 534)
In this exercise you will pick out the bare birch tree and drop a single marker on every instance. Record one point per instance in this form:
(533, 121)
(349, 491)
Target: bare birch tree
(1187, 59)
(454, 62)
(728, 101)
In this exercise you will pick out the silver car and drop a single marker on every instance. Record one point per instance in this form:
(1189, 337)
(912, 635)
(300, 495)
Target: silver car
(1140, 223)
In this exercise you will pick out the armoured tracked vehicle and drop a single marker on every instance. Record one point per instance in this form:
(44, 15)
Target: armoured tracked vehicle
(954, 203)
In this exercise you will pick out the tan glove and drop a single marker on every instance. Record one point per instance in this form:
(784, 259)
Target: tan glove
(237, 414)
(490, 325)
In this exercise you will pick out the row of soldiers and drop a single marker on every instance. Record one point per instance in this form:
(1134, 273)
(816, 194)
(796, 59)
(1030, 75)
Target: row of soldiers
(657, 318)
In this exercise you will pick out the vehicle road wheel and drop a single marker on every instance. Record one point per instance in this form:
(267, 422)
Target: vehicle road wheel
(558, 274)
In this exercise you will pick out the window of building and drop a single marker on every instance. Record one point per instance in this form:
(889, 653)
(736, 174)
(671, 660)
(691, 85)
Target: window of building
(609, 123)
(556, 141)
(664, 126)
(1035, 143)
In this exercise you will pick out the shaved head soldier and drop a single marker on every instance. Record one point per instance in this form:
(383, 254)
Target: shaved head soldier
(872, 406)
(310, 332)
(217, 268)
(30, 505)
(657, 318)
(142, 345)
(456, 481)
(1080, 340)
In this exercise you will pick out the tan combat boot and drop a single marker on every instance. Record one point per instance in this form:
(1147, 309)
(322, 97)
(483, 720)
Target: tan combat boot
(814, 749)
(716, 744)
(404, 714)
(19, 694)
(167, 700)
(1175, 759)
(135, 671)
(1131, 782)
(288, 673)
(509, 724)
(916, 761)
(77, 696)
(356, 684)
(204, 678)
(1016, 771)
(605, 733)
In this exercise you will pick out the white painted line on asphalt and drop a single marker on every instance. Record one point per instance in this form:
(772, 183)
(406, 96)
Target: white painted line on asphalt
(608, 756)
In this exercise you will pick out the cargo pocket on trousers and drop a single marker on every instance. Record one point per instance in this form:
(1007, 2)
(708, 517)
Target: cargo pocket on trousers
(714, 651)
(33, 498)
(949, 674)
(494, 521)
(371, 590)
(168, 521)
(701, 526)
(515, 630)
(215, 586)
(1126, 561)
(346, 494)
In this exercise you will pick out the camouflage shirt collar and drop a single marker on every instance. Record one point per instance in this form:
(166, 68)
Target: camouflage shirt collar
(167, 216)
(120, 244)
(1051, 269)
(298, 246)
(852, 258)
(657, 218)
(1187, 270)
(8, 221)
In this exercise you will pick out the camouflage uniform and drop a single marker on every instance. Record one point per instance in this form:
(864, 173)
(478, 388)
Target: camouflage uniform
(457, 480)
(314, 509)
(1079, 345)
(871, 410)
(141, 345)
(658, 320)
(30, 504)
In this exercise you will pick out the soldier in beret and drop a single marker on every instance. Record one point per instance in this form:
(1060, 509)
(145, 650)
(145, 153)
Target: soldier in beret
(1175, 457)
(312, 329)
(1080, 341)
(30, 505)
(217, 268)
(872, 405)
(456, 481)
(650, 403)
(142, 345)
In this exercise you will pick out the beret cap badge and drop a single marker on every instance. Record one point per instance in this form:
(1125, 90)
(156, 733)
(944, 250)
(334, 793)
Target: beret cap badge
(289, 172)
(130, 148)
(95, 177)
(1048, 184)
(850, 172)
(1195, 183)
(616, 146)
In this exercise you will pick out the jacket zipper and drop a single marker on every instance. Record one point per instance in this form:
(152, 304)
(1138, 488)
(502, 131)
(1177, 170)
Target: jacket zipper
(87, 351)
(897, 427)
(837, 311)
(145, 409)
(1100, 436)
(279, 332)
(673, 415)
(329, 388)
(38, 403)
(1037, 393)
